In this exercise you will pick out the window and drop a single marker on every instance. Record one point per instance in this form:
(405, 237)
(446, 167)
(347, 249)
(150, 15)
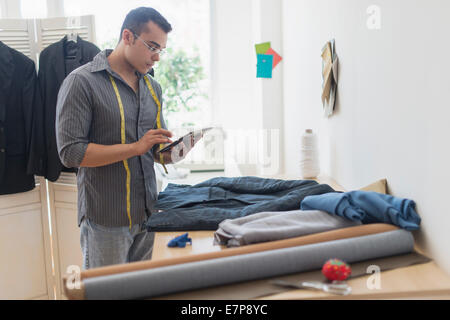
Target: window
(33, 9)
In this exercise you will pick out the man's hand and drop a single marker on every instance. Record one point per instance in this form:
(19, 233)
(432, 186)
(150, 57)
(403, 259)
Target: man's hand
(151, 137)
(98, 155)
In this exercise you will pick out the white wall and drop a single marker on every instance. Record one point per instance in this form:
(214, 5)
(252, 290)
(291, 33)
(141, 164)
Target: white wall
(392, 109)
(269, 28)
(241, 102)
(233, 74)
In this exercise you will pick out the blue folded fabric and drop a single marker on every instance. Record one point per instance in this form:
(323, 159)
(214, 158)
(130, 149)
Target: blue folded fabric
(367, 207)
(180, 241)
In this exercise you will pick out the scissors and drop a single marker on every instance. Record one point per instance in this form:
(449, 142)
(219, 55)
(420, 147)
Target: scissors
(335, 287)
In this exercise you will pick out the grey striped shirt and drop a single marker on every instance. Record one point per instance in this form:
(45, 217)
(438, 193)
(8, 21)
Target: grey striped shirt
(87, 111)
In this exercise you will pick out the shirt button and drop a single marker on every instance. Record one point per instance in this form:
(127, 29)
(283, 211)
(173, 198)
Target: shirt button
(2, 150)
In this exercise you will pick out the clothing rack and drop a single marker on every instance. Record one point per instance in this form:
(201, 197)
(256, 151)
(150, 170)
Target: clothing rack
(30, 37)
(53, 29)
(19, 34)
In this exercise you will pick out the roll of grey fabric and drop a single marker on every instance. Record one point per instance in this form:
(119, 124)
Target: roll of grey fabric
(278, 225)
(214, 272)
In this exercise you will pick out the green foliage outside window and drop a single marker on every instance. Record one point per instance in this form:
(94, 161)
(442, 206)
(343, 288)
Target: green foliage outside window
(179, 75)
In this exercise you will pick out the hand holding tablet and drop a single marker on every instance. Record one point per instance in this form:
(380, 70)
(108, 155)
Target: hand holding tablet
(192, 136)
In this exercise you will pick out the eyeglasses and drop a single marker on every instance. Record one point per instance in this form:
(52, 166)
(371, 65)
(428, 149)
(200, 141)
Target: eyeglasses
(153, 50)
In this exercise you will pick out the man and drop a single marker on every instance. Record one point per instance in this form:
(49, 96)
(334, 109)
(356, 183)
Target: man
(109, 124)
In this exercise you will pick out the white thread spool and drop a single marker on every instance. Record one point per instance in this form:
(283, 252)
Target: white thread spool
(309, 155)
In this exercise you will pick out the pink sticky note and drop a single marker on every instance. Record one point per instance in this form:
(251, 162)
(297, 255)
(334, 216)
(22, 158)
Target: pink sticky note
(276, 57)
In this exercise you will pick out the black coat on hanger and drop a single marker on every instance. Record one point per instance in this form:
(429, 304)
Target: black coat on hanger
(55, 63)
(22, 144)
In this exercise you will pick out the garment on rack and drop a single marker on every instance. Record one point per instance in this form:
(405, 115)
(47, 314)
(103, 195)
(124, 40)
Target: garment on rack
(203, 206)
(22, 144)
(367, 207)
(277, 225)
(56, 62)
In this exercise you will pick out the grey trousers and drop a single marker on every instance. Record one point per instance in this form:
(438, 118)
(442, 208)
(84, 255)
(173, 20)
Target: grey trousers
(102, 246)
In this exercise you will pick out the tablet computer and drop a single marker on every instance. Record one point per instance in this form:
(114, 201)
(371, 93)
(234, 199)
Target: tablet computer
(173, 144)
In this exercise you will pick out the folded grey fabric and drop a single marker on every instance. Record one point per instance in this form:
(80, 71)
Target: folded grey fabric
(214, 272)
(277, 225)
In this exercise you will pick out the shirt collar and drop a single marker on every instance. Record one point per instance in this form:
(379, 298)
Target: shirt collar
(100, 62)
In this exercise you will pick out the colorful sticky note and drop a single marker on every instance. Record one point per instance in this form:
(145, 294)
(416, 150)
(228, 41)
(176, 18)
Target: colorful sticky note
(264, 66)
(262, 47)
(276, 57)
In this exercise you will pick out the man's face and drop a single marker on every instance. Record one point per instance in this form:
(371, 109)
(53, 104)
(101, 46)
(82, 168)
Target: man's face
(137, 50)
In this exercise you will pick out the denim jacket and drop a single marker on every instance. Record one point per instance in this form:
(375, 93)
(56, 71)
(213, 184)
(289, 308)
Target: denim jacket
(203, 206)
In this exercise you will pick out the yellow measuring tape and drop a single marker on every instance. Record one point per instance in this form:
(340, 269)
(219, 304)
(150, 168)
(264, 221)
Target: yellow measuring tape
(158, 117)
(123, 140)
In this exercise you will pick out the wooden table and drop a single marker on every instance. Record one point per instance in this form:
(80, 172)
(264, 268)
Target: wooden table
(424, 281)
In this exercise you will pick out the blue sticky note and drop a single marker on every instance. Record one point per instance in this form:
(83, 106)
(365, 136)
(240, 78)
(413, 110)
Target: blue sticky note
(264, 66)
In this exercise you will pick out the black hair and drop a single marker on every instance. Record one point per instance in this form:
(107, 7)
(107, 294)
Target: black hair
(137, 18)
